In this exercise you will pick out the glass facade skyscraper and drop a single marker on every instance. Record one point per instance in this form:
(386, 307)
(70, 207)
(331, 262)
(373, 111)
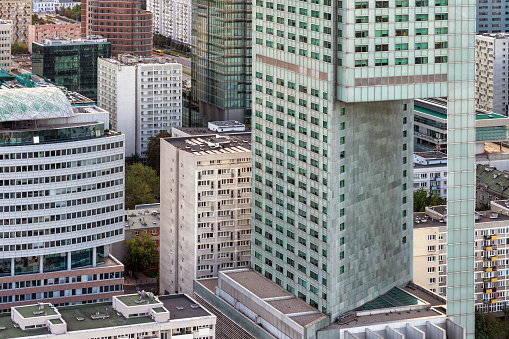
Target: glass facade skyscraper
(333, 83)
(221, 59)
(71, 63)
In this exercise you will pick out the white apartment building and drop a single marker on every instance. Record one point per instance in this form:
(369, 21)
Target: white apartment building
(491, 254)
(205, 207)
(5, 45)
(491, 67)
(430, 172)
(143, 95)
(135, 316)
(61, 200)
(172, 18)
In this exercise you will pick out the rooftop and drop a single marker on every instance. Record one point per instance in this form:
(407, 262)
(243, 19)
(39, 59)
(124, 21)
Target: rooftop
(131, 300)
(131, 60)
(94, 316)
(276, 296)
(181, 306)
(399, 304)
(437, 107)
(143, 216)
(91, 39)
(492, 179)
(213, 143)
(32, 311)
(431, 155)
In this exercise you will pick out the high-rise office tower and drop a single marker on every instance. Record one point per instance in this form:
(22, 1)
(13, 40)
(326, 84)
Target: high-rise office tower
(332, 101)
(221, 59)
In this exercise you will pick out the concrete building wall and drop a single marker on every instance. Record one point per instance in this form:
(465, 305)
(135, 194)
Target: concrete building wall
(5, 45)
(143, 99)
(425, 257)
(172, 19)
(205, 222)
(492, 86)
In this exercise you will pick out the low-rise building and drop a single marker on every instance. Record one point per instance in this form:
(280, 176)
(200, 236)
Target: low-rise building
(248, 305)
(491, 184)
(491, 259)
(136, 316)
(205, 207)
(430, 172)
(143, 219)
(144, 96)
(40, 32)
(430, 126)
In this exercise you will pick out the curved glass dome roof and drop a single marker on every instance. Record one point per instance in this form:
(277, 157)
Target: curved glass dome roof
(34, 103)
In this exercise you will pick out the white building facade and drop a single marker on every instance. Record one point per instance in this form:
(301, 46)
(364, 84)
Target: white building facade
(205, 207)
(5, 45)
(430, 172)
(144, 96)
(491, 81)
(62, 200)
(172, 19)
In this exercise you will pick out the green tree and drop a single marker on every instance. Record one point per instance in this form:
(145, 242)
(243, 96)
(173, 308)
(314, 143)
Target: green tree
(141, 185)
(153, 149)
(423, 198)
(133, 159)
(19, 48)
(142, 254)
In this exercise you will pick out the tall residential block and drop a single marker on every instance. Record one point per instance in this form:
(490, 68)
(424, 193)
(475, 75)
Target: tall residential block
(19, 13)
(205, 207)
(71, 63)
(221, 59)
(491, 79)
(172, 19)
(5, 45)
(123, 23)
(491, 17)
(62, 194)
(143, 95)
(333, 90)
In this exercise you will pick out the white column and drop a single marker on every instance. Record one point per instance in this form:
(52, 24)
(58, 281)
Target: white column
(13, 271)
(94, 256)
(41, 264)
(69, 260)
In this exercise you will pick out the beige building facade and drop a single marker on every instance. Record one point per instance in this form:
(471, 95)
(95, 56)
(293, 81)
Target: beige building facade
(5, 45)
(491, 254)
(205, 207)
(19, 13)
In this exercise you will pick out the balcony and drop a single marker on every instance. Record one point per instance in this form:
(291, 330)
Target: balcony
(494, 258)
(490, 248)
(491, 237)
(490, 269)
(493, 301)
(494, 280)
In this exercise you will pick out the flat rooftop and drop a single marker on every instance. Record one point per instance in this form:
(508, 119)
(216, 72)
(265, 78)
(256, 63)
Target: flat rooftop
(192, 131)
(130, 300)
(213, 144)
(33, 311)
(481, 217)
(286, 302)
(181, 306)
(131, 60)
(143, 218)
(431, 305)
(431, 155)
(227, 123)
(441, 110)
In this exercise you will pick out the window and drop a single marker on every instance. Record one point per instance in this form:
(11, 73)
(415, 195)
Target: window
(431, 237)
(401, 32)
(381, 48)
(382, 18)
(421, 31)
(421, 17)
(401, 47)
(440, 59)
(431, 248)
(381, 62)
(361, 34)
(361, 63)
(382, 4)
(431, 280)
(401, 61)
(382, 33)
(361, 48)
(431, 258)
(422, 45)
(421, 60)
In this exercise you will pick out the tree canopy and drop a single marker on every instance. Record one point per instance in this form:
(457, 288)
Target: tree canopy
(142, 253)
(19, 48)
(153, 149)
(423, 198)
(141, 185)
(73, 13)
(37, 20)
